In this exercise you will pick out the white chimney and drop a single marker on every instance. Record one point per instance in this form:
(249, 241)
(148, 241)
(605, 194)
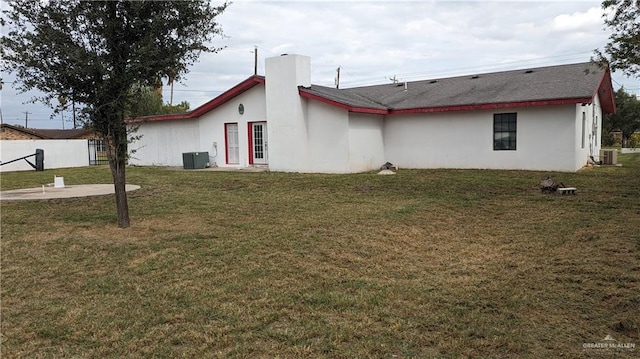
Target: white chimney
(286, 122)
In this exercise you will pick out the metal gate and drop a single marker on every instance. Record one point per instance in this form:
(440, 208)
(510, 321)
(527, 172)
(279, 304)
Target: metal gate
(97, 153)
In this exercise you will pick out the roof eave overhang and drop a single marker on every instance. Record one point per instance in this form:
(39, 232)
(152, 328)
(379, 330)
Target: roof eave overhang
(350, 108)
(605, 93)
(491, 106)
(466, 107)
(207, 107)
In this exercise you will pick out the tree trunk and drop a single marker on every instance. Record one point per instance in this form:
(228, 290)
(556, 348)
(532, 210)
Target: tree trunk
(117, 154)
(119, 183)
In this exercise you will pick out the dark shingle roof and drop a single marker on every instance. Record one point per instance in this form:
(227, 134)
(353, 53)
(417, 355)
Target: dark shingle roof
(563, 82)
(61, 134)
(519, 87)
(49, 134)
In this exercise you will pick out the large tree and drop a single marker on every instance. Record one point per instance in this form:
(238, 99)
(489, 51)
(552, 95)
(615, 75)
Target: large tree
(146, 100)
(627, 116)
(623, 50)
(94, 52)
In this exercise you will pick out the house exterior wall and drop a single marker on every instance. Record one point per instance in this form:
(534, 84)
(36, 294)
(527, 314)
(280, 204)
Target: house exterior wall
(331, 140)
(545, 140)
(212, 126)
(366, 142)
(328, 139)
(162, 143)
(57, 154)
(341, 142)
(588, 140)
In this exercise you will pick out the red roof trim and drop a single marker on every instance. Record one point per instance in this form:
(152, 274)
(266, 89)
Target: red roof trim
(349, 108)
(605, 93)
(209, 106)
(491, 106)
(470, 107)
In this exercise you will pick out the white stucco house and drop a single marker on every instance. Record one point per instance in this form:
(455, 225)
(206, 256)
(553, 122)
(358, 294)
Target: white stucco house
(545, 118)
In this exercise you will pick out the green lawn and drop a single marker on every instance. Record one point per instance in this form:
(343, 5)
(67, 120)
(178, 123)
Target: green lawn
(426, 263)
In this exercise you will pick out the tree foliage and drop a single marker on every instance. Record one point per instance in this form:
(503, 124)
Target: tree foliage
(623, 50)
(95, 52)
(145, 101)
(627, 116)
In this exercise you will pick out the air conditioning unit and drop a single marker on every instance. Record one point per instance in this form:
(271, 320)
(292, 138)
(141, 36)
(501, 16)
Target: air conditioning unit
(609, 157)
(195, 160)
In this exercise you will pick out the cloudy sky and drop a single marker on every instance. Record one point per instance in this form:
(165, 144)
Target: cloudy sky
(374, 41)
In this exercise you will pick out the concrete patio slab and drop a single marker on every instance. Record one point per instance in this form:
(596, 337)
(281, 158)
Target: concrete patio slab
(48, 192)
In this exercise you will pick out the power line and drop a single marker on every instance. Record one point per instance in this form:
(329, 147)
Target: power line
(626, 87)
(214, 91)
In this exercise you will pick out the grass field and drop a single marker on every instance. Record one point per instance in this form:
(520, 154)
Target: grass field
(429, 263)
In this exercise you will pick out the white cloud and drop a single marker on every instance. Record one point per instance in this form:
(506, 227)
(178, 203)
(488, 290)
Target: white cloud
(580, 21)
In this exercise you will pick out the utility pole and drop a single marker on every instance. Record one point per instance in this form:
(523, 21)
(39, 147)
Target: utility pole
(338, 78)
(73, 108)
(255, 60)
(26, 119)
(1, 120)
(171, 98)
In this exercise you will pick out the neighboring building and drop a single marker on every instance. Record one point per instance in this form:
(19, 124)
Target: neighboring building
(534, 119)
(94, 143)
(11, 132)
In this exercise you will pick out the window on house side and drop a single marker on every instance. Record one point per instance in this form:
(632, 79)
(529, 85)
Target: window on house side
(595, 131)
(584, 124)
(504, 131)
